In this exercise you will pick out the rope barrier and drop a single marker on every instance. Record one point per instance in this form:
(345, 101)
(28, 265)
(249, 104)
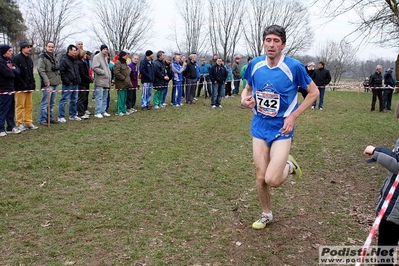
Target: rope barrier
(378, 220)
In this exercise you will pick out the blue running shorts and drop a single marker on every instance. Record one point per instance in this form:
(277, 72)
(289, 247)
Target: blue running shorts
(269, 129)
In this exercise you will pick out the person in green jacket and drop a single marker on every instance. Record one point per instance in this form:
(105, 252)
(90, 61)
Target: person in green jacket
(122, 82)
(242, 72)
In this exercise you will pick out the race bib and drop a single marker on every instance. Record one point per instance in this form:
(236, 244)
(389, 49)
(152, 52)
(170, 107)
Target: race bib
(268, 103)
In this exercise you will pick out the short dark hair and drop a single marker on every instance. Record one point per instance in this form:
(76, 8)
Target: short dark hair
(70, 47)
(322, 63)
(275, 29)
(159, 53)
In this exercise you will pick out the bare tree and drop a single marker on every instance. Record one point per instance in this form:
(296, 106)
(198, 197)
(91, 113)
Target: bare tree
(291, 14)
(122, 25)
(339, 58)
(193, 16)
(376, 21)
(51, 20)
(225, 26)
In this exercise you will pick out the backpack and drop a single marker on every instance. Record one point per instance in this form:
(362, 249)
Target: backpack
(366, 82)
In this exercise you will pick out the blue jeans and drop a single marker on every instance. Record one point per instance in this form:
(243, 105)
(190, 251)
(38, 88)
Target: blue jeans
(43, 112)
(146, 95)
(387, 98)
(7, 111)
(236, 84)
(217, 93)
(322, 89)
(101, 95)
(69, 93)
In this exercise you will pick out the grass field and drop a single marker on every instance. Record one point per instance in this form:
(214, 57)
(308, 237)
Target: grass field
(176, 187)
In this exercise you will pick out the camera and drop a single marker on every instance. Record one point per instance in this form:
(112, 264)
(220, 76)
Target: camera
(55, 68)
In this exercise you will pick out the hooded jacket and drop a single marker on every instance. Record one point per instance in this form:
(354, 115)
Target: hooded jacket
(122, 75)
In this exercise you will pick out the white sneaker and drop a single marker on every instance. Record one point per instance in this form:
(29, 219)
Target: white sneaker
(321, 109)
(86, 116)
(106, 114)
(156, 107)
(220, 106)
(76, 118)
(61, 120)
(213, 106)
(15, 130)
(87, 112)
(22, 127)
(120, 114)
(312, 108)
(3, 134)
(98, 116)
(31, 126)
(164, 104)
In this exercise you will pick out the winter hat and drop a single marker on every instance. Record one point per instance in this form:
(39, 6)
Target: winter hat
(237, 57)
(126, 51)
(148, 53)
(24, 44)
(228, 61)
(103, 46)
(89, 53)
(122, 54)
(4, 48)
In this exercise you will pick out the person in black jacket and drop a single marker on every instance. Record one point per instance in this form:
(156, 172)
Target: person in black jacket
(218, 76)
(7, 103)
(84, 85)
(160, 79)
(190, 74)
(147, 79)
(70, 80)
(321, 77)
(390, 83)
(24, 85)
(168, 68)
(376, 85)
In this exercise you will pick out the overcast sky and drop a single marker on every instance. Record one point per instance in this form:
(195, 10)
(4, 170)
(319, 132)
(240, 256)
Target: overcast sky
(164, 14)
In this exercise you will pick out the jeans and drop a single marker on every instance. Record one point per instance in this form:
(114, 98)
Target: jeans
(387, 98)
(69, 93)
(82, 99)
(7, 111)
(165, 92)
(191, 85)
(322, 90)
(217, 93)
(43, 112)
(101, 95)
(236, 84)
(146, 95)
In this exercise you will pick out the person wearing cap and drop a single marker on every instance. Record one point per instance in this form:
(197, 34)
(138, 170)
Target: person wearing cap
(376, 89)
(122, 82)
(102, 81)
(70, 78)
(50, 78)
(8, 71)
(236, 75)
(24, 85)
(204, 69)
(147, 79)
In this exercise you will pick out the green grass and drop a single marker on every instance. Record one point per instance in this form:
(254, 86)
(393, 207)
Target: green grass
(176, 187)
